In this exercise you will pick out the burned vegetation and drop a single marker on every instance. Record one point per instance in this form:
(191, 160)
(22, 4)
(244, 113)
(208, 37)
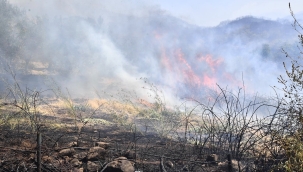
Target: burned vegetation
(229, 132)
(44, 127)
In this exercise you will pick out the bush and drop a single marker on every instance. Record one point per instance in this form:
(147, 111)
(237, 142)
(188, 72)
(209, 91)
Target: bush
(288, 131)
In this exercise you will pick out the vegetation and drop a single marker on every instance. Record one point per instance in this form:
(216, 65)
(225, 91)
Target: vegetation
(289, 134)
(229, 130)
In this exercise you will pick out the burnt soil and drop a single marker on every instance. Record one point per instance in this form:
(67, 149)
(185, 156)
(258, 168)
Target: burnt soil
(18, 145)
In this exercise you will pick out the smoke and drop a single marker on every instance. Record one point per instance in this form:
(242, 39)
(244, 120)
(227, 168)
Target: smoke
(109, 45)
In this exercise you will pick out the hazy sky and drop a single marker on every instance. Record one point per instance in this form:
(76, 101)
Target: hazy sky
(199, 12)
(212, 12)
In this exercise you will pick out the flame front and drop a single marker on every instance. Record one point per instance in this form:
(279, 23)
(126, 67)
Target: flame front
(183, 70)
(187, 73)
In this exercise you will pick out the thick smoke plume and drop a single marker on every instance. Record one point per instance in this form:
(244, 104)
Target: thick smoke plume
(108, 45)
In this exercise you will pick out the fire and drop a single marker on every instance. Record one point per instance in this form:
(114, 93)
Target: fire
(165, 60)
(212, 63)
(183, 71)
(209, 81)
(188, 73)
(181, 58)
(194, 72)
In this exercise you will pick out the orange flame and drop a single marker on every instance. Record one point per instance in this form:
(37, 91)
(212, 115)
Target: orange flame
(188, 73)
(212, 63)
(205, 71)
(209, 81)
(165, 60)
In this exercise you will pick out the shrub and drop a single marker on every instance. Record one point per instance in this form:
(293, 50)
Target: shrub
(288, 131)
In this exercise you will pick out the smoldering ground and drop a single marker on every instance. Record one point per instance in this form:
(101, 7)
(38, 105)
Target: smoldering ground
(86, 46)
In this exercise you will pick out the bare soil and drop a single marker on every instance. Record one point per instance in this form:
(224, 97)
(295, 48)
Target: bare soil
(60, 131)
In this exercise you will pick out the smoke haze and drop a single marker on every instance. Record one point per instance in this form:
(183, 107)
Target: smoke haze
(108, 45)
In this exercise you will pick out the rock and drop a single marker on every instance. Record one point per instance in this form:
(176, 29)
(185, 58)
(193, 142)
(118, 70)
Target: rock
(129, 154)
(169, 164)
(32, 157)
(185, 168)
(67, 158)
(78, 170)
(120, 165)
(47, 159)
(180, 162)
(120, 158)
(212, 158)
(67, 152)
(161, 142)
(80, 156)
(96, 149)
(28, 144)
(73, 144)
(96, 153)
(61, 161)
(92, 167)
(103, 145)
(75, 162)
(94, 156)
(235, 168)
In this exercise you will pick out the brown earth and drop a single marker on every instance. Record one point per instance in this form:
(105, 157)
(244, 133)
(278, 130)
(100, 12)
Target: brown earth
(98, 142)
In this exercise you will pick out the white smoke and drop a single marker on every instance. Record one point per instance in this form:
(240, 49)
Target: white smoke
(111, 44)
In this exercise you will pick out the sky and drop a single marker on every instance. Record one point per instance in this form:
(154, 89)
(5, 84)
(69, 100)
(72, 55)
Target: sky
(211, 13)
(198, 12)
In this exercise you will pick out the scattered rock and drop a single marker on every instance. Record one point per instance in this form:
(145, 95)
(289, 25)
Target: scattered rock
(67, 158)
(161, 142)
(94, 156)
(96, 153)
(28, 144)
(185, 168)
(235, 167)
(67, 152)
(212, 159)
(180, 162)
(92, 167)
(103, 145)
(73, 144)
(120, 165)
(96, 149)
(120, 158)
(32, 157)
(46, 159)
(78, 170)
(169, 164)
(60, 161)
(129, 154)
(75, 162)
(80, 156)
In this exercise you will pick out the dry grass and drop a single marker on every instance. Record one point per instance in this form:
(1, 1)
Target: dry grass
(109, 106)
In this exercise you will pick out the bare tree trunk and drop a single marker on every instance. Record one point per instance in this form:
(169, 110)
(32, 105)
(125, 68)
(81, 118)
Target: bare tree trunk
(39, 141)
(230, 168)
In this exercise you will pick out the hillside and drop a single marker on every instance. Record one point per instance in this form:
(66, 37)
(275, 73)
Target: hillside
(167, 51)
